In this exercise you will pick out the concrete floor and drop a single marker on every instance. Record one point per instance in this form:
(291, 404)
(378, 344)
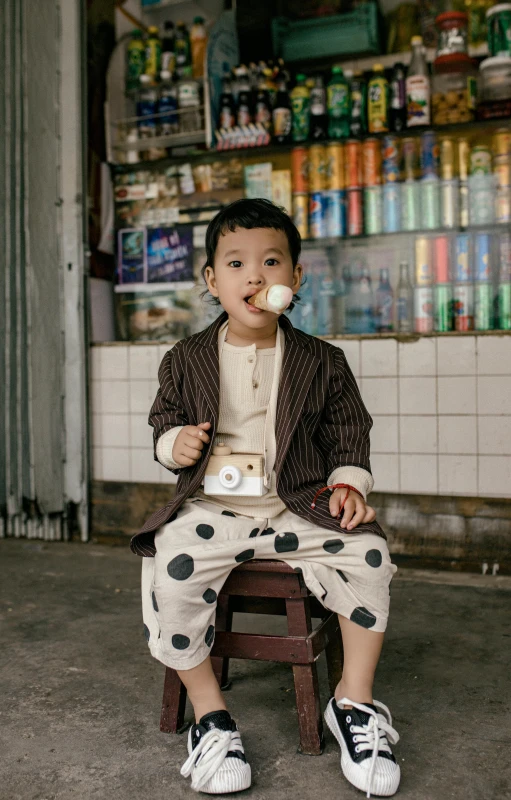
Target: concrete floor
(80, 694)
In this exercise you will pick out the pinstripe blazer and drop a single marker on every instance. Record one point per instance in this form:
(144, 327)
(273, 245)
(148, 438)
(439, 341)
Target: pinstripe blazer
(321, 421)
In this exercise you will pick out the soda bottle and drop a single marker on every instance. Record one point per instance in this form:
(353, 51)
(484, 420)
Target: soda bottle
(418, 99)
(404, 300)
(152, 54)
(384, 303)
(183, 51)
(244, 109)
(358, 93)
(300, 105)
(319, 120)
(168, 53)
(338, 104)
(378, 101)
(198, 41)
(398, 109)
(263, 109)
(282, 117)
(135, 61)
(227, 116)
(167, 105)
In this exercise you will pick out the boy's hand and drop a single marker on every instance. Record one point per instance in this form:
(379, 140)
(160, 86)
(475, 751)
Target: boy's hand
(355, 509)
(189, 443)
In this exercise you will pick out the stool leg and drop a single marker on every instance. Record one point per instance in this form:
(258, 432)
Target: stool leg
(223, 623)
(334, 660)
(306, 682)
(173, 703)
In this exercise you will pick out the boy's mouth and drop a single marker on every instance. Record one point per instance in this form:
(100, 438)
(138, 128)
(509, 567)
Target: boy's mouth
(252, 309)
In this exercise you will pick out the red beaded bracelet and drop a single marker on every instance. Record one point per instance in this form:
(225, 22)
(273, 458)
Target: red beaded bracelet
(337, 486)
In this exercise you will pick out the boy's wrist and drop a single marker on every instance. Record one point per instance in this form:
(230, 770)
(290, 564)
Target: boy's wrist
(360, 479)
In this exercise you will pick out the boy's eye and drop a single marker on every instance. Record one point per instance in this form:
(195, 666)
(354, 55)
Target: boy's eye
(235, 263)
(270, 262)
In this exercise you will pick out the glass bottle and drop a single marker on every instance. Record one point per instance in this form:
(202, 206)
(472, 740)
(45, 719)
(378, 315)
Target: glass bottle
(281, 115)
(404, 300)
(384, 303)
(318, 120)
(418, 92)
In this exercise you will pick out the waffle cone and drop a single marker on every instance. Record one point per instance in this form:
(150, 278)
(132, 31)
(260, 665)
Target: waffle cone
(261, 300)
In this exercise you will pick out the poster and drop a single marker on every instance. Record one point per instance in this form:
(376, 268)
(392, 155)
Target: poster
(170, 254)
(131, 255)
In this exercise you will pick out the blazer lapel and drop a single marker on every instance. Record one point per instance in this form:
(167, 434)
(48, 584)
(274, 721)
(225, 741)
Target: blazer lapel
(205, 364)
(298, 368)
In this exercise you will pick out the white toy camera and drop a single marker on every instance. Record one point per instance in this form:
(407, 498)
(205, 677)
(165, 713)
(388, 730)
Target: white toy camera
(240, 474)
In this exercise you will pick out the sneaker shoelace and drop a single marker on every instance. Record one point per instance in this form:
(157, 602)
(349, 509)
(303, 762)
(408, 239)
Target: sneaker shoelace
(208, 755)
(374, 735)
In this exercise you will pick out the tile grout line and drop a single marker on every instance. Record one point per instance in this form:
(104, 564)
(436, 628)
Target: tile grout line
(437, 410)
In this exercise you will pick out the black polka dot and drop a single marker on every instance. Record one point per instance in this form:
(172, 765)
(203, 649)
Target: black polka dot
(205, 531)
(253, 533)
(209, 596)
(246, 555)
(155, 604)
(374, 558)
(267, 532)
(298, 569)
(342, 575)
(228, 514)
(181, 567)
(363, 617)
(286, 542)
(180, 642)
(333, 545)
(146, 633)
(210, 635)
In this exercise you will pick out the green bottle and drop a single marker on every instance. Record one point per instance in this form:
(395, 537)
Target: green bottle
(338, 104)
(135, 61)
(378, 102)
(300, 106)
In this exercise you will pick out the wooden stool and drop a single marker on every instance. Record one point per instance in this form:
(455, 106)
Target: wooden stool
(270, 587)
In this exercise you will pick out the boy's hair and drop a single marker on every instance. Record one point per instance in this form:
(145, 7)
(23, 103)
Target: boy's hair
(248, 214)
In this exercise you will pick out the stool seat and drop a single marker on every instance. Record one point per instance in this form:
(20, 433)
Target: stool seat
(262, 586)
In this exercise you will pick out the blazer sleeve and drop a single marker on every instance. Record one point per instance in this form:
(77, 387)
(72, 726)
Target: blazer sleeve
(168, 410)
(343, 432)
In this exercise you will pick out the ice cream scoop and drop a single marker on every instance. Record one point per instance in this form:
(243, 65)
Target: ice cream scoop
(275, 298)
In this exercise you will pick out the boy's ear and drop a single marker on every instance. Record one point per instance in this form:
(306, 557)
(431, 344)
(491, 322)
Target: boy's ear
(209, 276)
(297, 278)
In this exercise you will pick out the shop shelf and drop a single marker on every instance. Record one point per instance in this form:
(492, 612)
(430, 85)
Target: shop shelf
(364, 238)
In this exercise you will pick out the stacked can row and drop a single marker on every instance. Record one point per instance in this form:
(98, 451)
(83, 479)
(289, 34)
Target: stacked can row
(390, 185)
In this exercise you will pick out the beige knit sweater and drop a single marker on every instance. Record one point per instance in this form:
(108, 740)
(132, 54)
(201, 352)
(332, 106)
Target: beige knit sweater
(246, 375)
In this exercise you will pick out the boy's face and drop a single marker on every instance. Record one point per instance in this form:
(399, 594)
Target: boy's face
(247, 261)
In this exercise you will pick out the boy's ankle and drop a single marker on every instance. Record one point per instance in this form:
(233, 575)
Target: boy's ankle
(202, 711)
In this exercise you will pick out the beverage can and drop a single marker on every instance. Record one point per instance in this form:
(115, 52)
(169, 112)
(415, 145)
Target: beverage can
(353, 164)
(481, 196)
(390, 159)
(335, 212)
(483, 307)
(463, 304)
(355, 213)
(423, 262)
(430, 203)
(373, 210)
(391, 208)
(463, 158)
(317, 167)
(505, 257)
(410, 159)
(502, 171)
(503, 205)
(449, 197)
(480, 160)
(483, 270)
(317, 217)
(505, 306)
(301, 214)
(502, 142)
(446, 159)
(462, 270)
(300, 169)
(423, 309)
(429, 154)
(441, 249)
(371, 160)
(410, 206)
(335, 166)
(464, 204)
(443, 308)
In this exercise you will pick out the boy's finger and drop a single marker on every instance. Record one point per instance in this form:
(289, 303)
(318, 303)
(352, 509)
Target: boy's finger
(193, 442)
(357, 519)
(191, 452)
(347, 512)
(334, 504)
(204, 425)
(370, 514)
(201, 434)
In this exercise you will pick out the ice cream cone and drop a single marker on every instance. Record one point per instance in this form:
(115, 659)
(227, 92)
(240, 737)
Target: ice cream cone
(275, 298)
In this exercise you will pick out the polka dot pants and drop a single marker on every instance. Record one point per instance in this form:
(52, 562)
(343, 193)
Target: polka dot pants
(349, 573)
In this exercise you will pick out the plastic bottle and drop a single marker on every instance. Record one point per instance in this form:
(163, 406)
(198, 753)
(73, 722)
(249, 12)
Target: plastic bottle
(404, 300)
(227, 115)
(168, 48)
(300, 104)
(167, 105)
(378, 101)
(135, 61)
(418, 90)
(398, 109)
(358, 104)
(198, 42)
(362, 303)
(282, 116)
(152, 54)
(319, 119)
(384, 303)
(183, 51)
(338, 104)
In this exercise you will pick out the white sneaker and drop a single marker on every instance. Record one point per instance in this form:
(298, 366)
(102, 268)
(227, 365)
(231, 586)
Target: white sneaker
(216, 758)
(363, 733)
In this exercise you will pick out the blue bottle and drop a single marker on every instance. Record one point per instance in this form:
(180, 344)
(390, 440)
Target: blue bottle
(384, 304)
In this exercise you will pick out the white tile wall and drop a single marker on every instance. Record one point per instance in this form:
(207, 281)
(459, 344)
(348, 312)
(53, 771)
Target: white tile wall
(441, 409)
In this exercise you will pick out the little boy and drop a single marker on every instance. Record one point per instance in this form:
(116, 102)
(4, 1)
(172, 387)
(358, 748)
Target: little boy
(255, 383)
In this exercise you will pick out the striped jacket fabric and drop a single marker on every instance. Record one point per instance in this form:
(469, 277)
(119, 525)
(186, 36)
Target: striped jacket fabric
(321, 422)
